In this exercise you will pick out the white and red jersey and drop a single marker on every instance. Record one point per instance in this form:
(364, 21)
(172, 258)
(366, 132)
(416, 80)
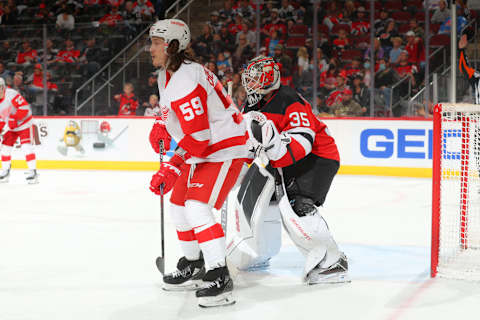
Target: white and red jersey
(201, 117)
(14, 109)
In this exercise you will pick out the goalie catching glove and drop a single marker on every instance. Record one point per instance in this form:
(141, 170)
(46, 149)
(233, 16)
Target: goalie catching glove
(167, 175)
(264, 135)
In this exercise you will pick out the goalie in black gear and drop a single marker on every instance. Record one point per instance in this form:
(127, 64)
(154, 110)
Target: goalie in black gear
(286, 135)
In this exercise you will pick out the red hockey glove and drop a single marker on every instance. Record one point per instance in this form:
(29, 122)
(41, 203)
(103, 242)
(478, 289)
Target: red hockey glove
(159, 132)
(167, 175)
(2, 125)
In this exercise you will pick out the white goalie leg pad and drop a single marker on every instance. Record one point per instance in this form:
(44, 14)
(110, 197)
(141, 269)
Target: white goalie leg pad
(257, 236)
(311, 235)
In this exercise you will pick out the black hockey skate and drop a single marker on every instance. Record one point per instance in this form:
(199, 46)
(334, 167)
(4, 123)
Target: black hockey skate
(188, 275)
(31, 176)
(217, 289)
(336, 273)
(4, 176)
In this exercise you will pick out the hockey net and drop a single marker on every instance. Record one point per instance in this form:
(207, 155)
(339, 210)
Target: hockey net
(456, 192)
(89, 127)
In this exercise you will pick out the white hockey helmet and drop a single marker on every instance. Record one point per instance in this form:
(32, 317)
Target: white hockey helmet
(171, 29)
(261, 76)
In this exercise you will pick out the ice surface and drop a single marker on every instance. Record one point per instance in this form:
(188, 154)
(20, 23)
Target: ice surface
(82, 245)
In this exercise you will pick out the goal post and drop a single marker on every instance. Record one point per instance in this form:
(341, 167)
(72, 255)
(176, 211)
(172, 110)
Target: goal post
(455, 246)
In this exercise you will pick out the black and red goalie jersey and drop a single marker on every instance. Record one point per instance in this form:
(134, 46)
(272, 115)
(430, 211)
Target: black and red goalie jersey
(293, 115)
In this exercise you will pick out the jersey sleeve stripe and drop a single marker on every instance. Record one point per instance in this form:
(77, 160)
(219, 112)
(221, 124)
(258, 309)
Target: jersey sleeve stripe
(224, 98)
(194, 147)
(227, 143)
(295, 153)
(304, 141)
(203, 135)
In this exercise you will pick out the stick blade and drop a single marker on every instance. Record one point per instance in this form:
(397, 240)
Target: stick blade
(160, 262)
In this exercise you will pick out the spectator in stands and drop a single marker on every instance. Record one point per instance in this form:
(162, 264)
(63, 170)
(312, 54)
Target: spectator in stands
(354, 67)
(248, 32)
(236, 25)
(243, 52)
(285, 63)
(18, 85)
(272, 41)
(227, 13)
(349, 10)
(202, 45)
(382, 21)
(6, 52)
(336, 94)
(361, 94)
(150, 108)
(303, 61)
(333, 15)
(461, 23)
(51, 53)
(215, 22)
(67, 59)
(8, 16)
(148, 88)
(90, 57)
(415, 49)
(129, 16)
(65, 22)
(4, 73)
(274, 23)
(441, 14)
(223, 63)
(347, 106)
(43, 15)
(110, 19)
(360, 25)
(227, 38)
(417, 30)
(341, 42)
(27, 55)
(406, 69)
(35, 80)
(115, 3)
(385, 78)
(379, 52)
(286, 11)
(127, 100)
(244, 9)
(388, 33)
(236, 81)
(240, 96)
(144, 9)
(328, 79)
(396, 49)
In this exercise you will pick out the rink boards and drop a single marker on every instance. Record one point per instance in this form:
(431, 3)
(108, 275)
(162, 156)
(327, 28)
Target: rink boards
(368, 146)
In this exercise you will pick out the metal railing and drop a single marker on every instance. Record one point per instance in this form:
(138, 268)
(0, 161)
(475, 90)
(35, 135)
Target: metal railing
(123, 54)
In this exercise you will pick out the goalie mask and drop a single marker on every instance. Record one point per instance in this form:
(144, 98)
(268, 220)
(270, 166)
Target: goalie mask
(260, 77)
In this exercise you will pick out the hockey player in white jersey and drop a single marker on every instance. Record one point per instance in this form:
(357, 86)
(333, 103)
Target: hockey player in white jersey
(15, 122)
(211, 137)
(298, 159)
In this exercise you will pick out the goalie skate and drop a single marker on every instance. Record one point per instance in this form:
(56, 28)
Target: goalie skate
(337, 273)
(5, 176)
(217, 290)
(31, 176)
(188, 275)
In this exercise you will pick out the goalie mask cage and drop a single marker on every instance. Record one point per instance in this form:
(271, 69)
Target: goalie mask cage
(456, 185)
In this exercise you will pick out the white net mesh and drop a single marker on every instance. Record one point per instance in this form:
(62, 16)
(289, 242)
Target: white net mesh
(459, 242)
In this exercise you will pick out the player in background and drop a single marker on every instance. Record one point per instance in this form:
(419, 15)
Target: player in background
(472, 75)
(16, 122)
(301, 145)
(211, 151)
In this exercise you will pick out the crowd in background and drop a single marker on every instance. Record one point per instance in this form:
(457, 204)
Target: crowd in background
(226, 42)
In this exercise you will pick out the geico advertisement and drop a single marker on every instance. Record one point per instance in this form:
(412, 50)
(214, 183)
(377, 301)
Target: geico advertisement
(389, 143)
(96, 139)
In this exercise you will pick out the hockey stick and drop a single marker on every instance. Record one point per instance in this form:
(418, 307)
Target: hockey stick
(160, 262)
(224, 210)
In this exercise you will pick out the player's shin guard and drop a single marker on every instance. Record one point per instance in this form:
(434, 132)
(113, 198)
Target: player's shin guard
(186, 236)
(6, 163)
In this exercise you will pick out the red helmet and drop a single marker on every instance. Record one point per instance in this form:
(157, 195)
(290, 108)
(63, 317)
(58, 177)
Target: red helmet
(105, 127)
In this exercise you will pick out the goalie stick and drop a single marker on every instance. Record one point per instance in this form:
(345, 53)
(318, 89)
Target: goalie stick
(160, 262)
(224, 210)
